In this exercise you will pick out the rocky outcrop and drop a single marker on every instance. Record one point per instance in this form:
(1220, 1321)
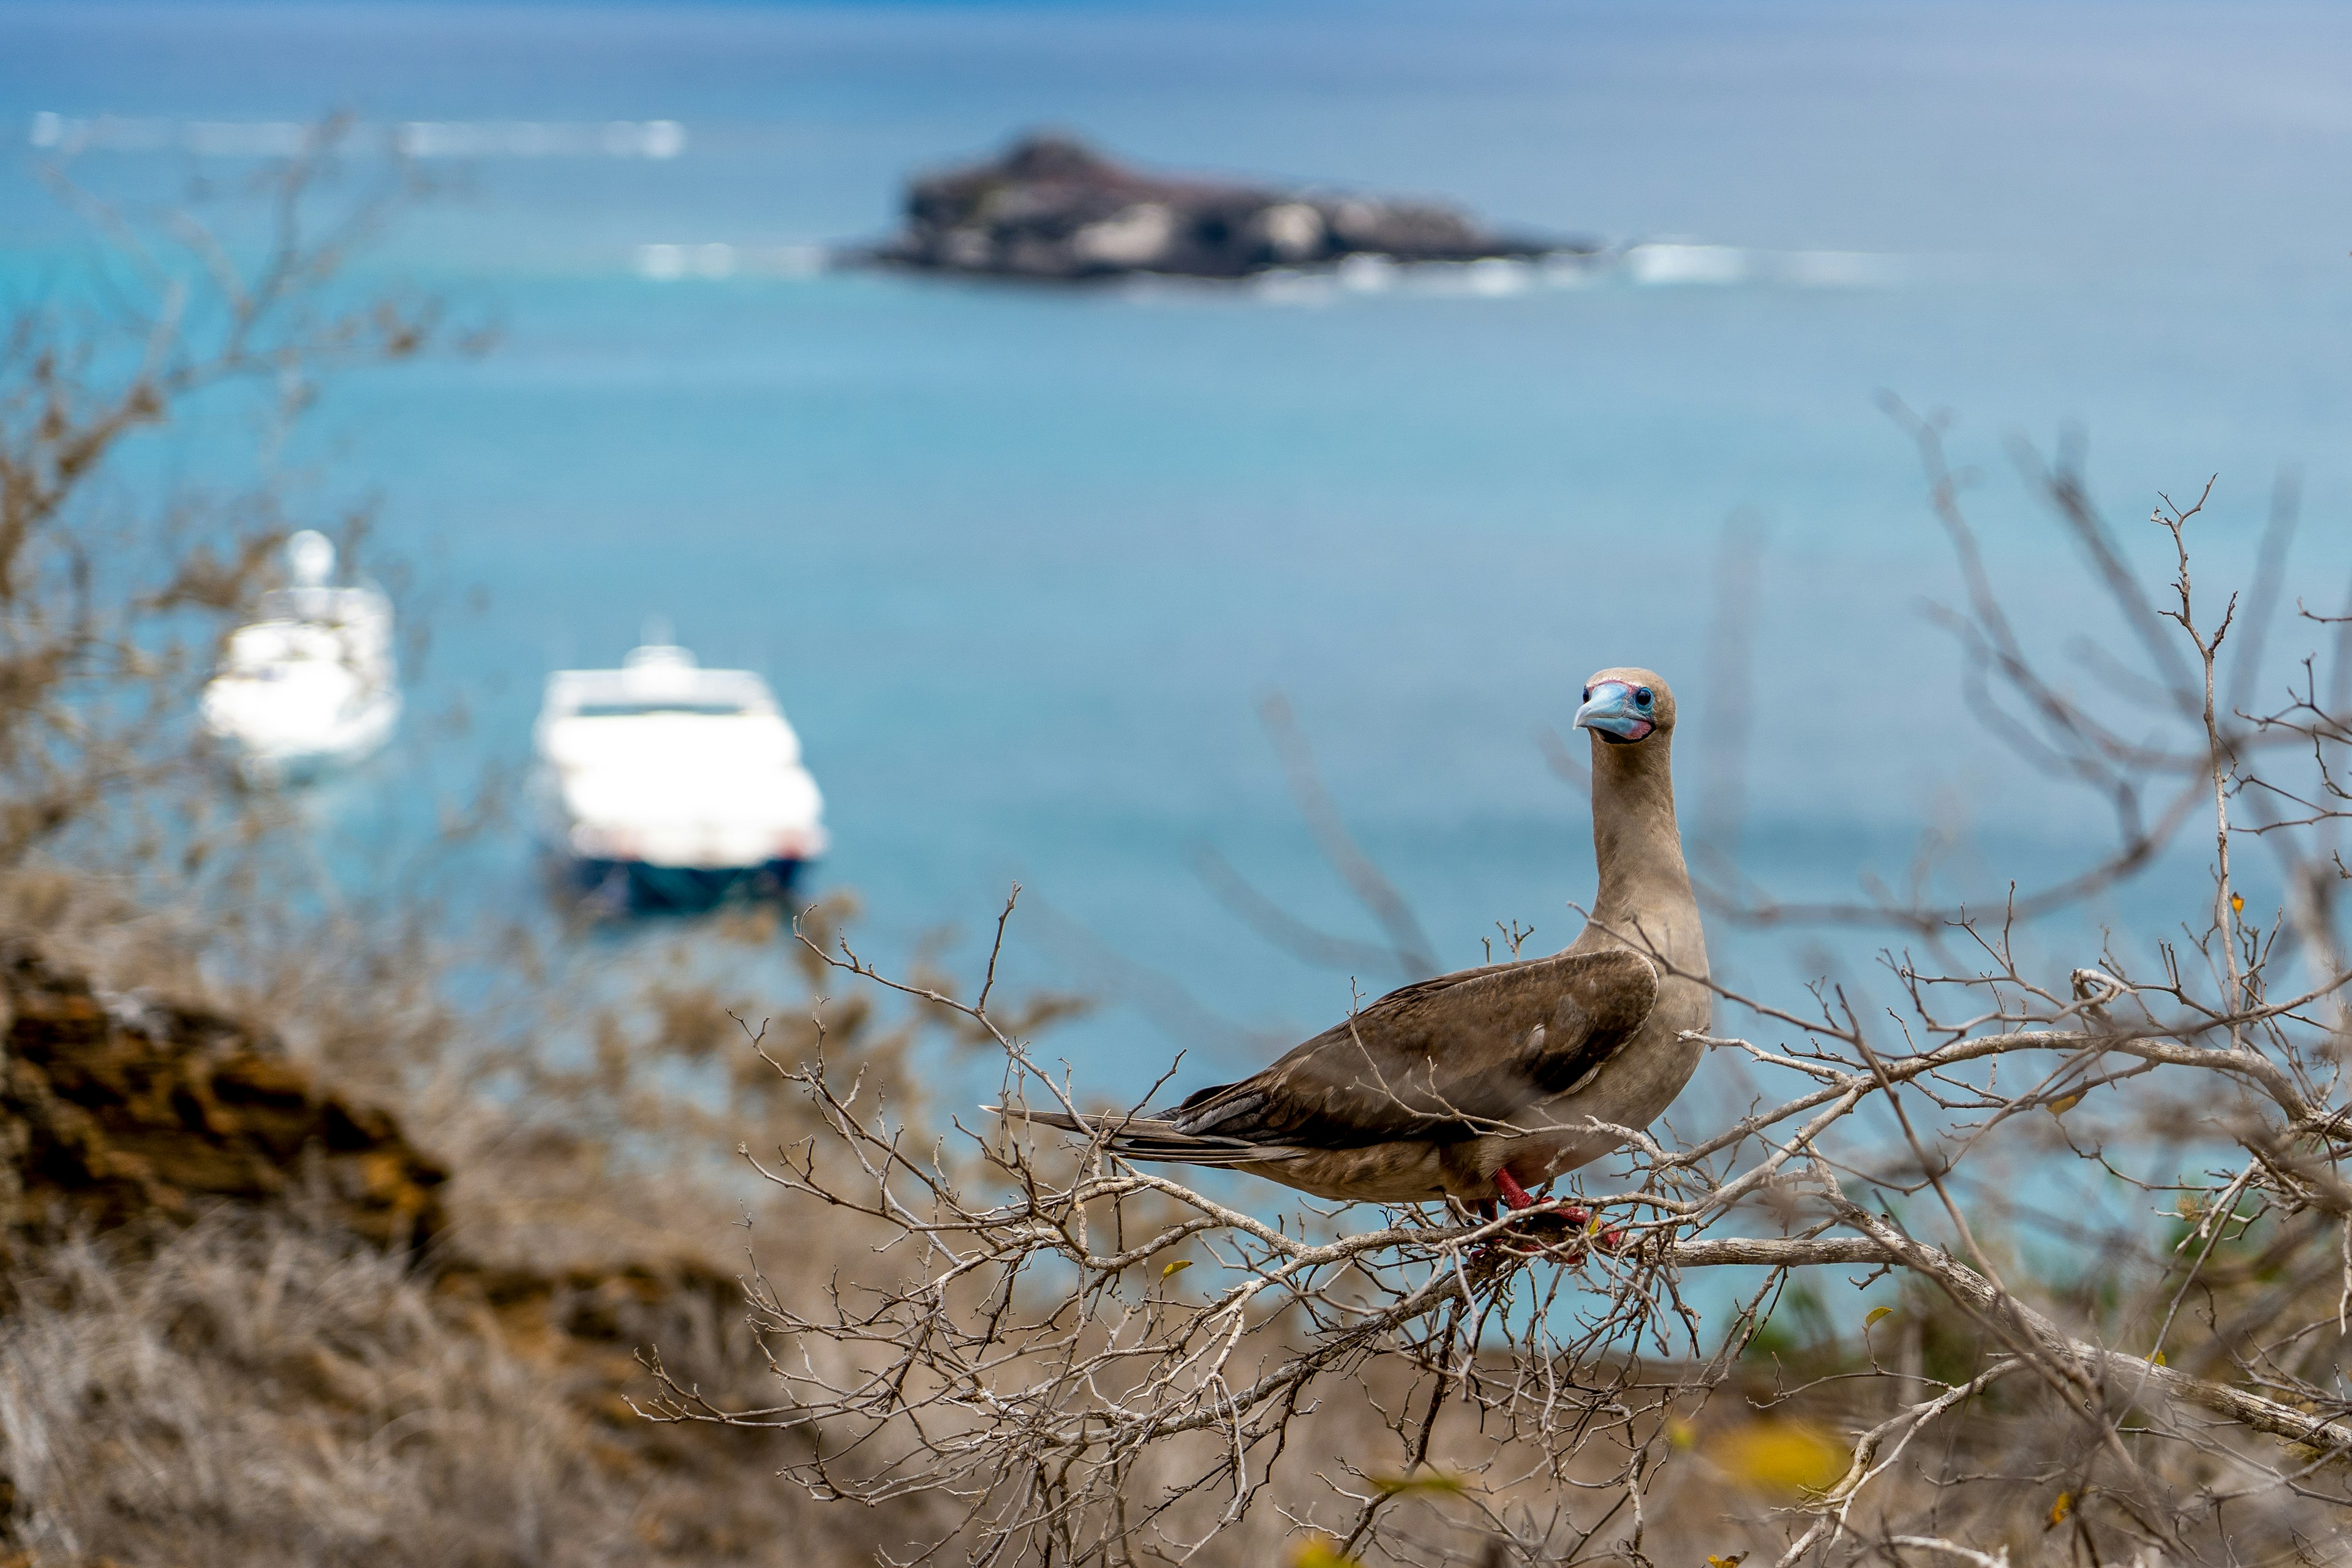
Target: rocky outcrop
(1054, 209)
(116, 1107)
(282, 1288)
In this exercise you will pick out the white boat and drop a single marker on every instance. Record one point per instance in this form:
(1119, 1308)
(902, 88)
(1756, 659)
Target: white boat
(665, 785)
(311, 684)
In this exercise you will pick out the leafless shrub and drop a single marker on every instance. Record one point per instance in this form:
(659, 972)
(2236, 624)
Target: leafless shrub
(1017, 1349)
(2109, 1194)
(111, 598)
(265, 1387)
(269, 1384)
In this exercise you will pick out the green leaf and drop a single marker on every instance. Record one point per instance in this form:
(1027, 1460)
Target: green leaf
(1180, 1263)
(1876, 1313)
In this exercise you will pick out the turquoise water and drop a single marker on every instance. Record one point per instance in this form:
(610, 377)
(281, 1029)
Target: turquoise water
(1022, 563)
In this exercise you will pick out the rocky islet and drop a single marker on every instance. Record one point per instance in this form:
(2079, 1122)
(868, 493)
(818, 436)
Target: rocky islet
(1054, 209)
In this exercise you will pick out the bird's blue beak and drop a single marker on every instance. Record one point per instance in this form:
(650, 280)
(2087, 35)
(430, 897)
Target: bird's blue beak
(1609, 708)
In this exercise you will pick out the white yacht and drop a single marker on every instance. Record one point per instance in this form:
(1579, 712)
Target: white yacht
(311, 684)
(665, 785)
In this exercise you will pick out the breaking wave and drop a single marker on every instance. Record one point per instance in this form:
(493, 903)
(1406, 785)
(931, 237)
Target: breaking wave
(67, 134)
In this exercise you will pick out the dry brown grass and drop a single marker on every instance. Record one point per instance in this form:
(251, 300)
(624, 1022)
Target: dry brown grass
(259, 1388)
(214, 1353)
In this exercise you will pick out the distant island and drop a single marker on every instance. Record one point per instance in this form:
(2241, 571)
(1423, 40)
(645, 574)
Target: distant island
(1054, 209)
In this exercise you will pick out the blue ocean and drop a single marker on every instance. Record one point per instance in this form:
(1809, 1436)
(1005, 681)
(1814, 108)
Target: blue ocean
(1025, 564)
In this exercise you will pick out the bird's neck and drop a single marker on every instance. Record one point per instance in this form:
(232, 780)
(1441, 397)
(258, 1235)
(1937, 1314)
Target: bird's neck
(1644, 884)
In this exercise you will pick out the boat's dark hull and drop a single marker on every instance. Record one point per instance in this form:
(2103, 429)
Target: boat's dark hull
(633, 887)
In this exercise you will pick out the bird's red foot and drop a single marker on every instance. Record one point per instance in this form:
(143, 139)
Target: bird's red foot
(1514, 1196)
(1560, 1232)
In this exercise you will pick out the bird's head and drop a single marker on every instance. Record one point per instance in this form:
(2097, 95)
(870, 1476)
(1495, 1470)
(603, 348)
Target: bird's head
(1626, 706)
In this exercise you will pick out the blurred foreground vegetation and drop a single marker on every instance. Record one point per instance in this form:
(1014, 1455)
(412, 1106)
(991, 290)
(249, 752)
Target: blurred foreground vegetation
(345, 1231)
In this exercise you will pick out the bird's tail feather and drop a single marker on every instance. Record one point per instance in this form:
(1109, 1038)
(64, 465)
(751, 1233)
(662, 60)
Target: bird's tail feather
(1152, 1138)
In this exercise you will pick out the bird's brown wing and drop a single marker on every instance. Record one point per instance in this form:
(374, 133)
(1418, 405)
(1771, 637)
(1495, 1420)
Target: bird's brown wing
(1449, 1058)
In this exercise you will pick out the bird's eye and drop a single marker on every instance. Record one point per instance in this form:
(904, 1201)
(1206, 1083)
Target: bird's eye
(1642, 698)
(1587, 694)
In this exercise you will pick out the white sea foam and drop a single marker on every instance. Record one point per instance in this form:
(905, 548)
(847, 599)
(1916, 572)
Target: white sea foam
(661, 263)
(1498, 276)
(654, 139)
(1678, 263)
(1494, 278)
(1841, 268)
(1291, 286)
(1571, 270)
(1684, 263)
(800, 260)
(664, 262)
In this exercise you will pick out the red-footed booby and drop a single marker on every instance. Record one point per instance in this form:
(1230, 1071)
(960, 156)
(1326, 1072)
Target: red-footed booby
(1483, 1083)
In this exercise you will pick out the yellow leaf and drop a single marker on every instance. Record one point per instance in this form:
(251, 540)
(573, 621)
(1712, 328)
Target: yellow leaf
(2237, 904)
(1876, 1313)
(1424, 1481)
(1682, 1434)
(1180, 1263)
(1734, 1561)
(2157, 1358)
(1320, 1551)
(2062, 1507)
(2061, 1107)
(1788, 1457)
